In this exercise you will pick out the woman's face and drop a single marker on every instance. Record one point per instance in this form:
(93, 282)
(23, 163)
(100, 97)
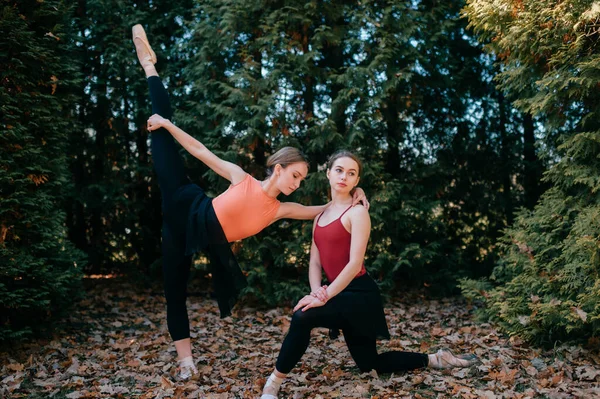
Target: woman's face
(343, 175)
(290, 177)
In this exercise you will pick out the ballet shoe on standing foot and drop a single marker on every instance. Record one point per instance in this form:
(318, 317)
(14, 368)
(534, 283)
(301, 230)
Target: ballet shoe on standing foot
(187, 369)
(271, 388)
(146, 55)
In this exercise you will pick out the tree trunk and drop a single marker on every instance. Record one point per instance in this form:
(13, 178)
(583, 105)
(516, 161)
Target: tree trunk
(505, 161)
(531, 170)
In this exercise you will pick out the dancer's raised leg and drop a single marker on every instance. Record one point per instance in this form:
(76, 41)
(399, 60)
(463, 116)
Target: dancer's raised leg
(168, 163)
(166, 158)
(145, 54)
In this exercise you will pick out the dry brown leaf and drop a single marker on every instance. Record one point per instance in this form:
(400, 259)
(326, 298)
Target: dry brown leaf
(165, 382)
(52, 35)
(15, 367)
(582, 315)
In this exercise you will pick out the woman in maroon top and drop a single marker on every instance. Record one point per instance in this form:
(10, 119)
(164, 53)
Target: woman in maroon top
(351, 302)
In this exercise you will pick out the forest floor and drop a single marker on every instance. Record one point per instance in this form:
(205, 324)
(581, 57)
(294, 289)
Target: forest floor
(118, 347)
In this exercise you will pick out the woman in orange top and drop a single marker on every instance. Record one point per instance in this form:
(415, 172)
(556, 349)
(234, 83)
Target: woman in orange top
(193, 222)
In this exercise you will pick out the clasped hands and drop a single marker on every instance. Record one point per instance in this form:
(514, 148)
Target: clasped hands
(314, 300)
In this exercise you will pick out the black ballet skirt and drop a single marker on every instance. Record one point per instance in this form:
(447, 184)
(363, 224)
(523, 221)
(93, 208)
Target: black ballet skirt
(361, 309)
(205, 234)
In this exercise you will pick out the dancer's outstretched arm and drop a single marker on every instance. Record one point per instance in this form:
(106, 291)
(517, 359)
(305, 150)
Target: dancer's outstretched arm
(228, 170)
(293, 210)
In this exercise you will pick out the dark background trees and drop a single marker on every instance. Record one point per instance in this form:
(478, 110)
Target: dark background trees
(40, 268)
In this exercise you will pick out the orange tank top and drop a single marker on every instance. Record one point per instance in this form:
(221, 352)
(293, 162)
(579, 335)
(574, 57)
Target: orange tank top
(244, 209)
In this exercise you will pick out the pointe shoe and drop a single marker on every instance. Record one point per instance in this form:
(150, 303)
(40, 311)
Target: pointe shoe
(271, 388)
(144, 52)
(187, 372)
(187, 369)
(445, 359)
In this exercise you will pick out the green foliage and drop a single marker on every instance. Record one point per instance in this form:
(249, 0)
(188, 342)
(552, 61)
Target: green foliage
(40, 270)
(545, 286)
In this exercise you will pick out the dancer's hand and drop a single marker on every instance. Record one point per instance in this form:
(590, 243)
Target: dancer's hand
(314, 303)
(156, 122)
(359, 196)
(308, 302)
(303, 302)
(321, 294)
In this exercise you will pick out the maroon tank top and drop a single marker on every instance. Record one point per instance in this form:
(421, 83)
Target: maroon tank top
(333, 242)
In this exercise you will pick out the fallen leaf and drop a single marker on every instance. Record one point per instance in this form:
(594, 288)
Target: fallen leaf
(582, 315)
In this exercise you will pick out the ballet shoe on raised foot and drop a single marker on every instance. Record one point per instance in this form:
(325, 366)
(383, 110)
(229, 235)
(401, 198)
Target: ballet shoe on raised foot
(145, 54)
(445, 359)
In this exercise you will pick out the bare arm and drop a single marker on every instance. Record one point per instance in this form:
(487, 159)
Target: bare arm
(314, 269)
(293, 210)
(228, 170)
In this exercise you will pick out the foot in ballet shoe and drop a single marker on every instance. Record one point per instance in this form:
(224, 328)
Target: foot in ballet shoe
(187, 372)
(271, 388)
(187, 369)
(145, 54)
(445, 359)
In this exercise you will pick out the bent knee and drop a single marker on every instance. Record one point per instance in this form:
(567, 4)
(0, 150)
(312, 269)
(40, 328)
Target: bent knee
(300, 318)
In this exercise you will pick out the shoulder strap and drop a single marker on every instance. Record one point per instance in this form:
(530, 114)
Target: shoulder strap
(319, 218)
(345, 211)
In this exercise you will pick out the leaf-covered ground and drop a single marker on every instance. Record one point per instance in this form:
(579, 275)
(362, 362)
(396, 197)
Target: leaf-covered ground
(119, 347)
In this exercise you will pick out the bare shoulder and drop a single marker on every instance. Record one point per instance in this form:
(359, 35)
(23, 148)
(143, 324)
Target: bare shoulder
(358, 213)
(359, 210)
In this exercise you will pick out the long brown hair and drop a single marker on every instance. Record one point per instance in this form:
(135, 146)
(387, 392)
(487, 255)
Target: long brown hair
(285, 157)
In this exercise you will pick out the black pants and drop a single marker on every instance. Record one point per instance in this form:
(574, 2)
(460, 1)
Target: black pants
(363, 349)
(170, 171)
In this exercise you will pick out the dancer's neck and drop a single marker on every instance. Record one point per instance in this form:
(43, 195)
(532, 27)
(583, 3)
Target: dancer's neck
(339, 200)
(269, 187)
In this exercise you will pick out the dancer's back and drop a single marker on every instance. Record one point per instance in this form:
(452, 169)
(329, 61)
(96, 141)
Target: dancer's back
(244, 209)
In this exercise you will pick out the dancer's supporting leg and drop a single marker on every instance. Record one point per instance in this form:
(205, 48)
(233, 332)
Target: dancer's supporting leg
(176, 271)
(170, 171)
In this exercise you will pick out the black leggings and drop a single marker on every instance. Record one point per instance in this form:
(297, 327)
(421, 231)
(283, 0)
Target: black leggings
(170, 171)
(363, 349)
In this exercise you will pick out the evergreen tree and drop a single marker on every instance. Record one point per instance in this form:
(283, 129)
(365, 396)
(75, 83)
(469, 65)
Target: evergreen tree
(545, 287)
(40, 269)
